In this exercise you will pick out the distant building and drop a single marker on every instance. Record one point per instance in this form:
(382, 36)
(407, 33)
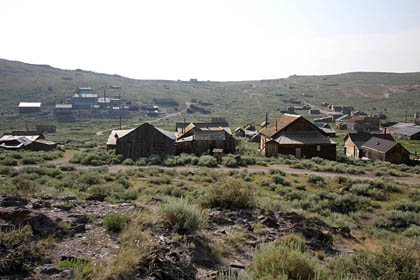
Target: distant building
(29, 107)
(327, 129)
(149, 107)
(409, 133)
(42, 128)
(84, 99)
(314, 112)
(28, 140)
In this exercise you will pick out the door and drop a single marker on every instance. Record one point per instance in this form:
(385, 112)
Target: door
(298, 153)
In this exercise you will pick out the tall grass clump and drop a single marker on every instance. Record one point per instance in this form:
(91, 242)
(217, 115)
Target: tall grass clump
(115, 222)
(182, 216)
(207, 161)
(284, 261)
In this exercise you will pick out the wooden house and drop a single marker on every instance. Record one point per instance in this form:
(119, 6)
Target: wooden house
(396, 126)
(28, 140)
(294, 135)
(206, 141)
(353, 143)
(144, 141)
(386, 150)
(29, 107)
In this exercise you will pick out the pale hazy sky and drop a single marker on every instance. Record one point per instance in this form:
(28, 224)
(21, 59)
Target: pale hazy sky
(213, 40)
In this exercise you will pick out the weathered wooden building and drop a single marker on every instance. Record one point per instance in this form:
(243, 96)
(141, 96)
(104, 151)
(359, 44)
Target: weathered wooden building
(294, 135)
(146, 140)
(385, 150)
(409, 133)
(165, 101)
(29, 107)
(42, 128)
(353, 143)
(28, 140)
(205, 141)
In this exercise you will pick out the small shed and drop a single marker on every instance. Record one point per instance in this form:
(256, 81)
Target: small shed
(386, 150)
(29, 107)
(115, 134)
(353, 143)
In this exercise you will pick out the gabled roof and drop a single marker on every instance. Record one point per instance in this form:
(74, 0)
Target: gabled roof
(379, 144)
(112, 139)
(29, 104)
(283, 122)
(280, 123)
(361, 138)
(169, 134)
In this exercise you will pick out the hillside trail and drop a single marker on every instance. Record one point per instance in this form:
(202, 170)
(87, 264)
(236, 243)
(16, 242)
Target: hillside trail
(252, 95)
(98, 133)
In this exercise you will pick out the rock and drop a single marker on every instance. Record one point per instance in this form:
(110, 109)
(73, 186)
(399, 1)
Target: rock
(77, 228)
(12, 200)
(201, 253)
(69, 198)
(79, 218)
(36, 205)
(50, 270)
(269, 222)
(64, 207)
(41, 224)
(97, 197)
(237, 265)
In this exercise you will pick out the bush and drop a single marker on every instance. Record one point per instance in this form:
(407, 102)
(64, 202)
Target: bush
(19, 251)
(183, 217)
(9, 162)
(230, 162)
(315, 179)
(231, 195)
(128, 161)
(278, 179)
(282, 261)
(390, 263)
(207, 161)
(369, 191)
(83, 268)
(412, 231)
(115, 222)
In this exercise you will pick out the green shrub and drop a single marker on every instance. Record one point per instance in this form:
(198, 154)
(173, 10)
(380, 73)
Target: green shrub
(230, 162)
(9, 162)
(396, 220)
(20, 252)
(278, 179)
(284, 261)
(369, 191)
(207, 161)
(115, 222)
(412, 231)
(315, 179)
(128, 161)
(83, 268)
(390, 263)
(183, 217)
(233, 194)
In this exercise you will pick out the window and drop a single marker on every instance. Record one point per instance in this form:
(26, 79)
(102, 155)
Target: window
(318, 148)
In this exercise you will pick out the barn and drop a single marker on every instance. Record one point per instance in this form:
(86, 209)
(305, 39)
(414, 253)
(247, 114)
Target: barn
(409, 133)
(144, 141)
(205, 141)
(294, 135)
(386, 150)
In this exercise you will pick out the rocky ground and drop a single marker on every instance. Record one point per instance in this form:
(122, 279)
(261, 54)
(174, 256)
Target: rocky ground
(74, 230)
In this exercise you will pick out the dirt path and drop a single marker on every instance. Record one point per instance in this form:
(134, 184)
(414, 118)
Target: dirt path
(265, 169)
(253, 95)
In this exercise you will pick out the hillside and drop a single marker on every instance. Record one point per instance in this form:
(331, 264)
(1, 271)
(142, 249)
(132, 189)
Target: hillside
(239, 102)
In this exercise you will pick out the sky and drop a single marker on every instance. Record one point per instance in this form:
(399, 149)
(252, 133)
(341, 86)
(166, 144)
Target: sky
(216, 40)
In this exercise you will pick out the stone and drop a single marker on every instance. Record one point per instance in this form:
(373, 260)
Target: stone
(50, 270)
(12, 200)
(69, 198)
(97, 197)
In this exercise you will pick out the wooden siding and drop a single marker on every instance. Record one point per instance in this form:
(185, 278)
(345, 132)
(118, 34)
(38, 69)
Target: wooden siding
(351, 149)
(199, 147)
(144, 141)
(395, 155)
(327, 151)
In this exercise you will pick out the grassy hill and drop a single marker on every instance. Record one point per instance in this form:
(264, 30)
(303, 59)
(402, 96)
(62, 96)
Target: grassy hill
(239, 102)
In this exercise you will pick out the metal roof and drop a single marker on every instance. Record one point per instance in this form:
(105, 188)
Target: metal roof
(401, 125)
(409, 131)
(29, 104)
(170, 134)
(112, 140)
(9, 137)
(210, 135)
(63, 106)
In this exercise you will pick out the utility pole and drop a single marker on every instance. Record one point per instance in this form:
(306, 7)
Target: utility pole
(120, 108)
(405, 116)
(27, 126)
